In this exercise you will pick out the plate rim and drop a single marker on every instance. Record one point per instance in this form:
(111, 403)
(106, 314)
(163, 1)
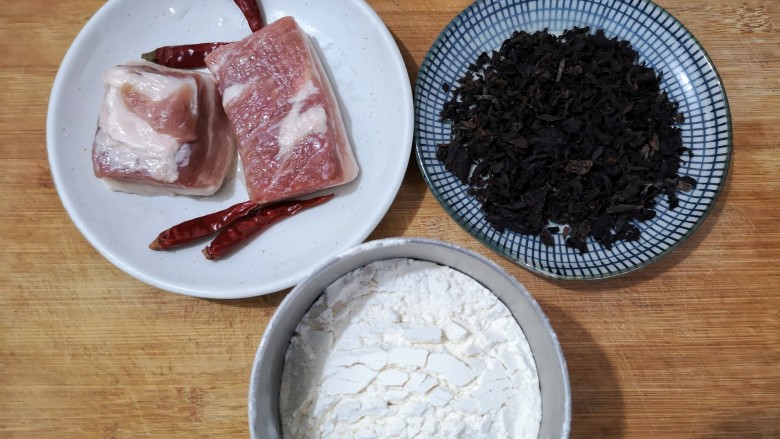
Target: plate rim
(425, 65)
(57, 93)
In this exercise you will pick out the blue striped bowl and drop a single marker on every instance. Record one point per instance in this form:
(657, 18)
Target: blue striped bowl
(663, 43)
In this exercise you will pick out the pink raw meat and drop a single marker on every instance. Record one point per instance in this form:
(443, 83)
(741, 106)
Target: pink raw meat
(162, 131)
(290, 133)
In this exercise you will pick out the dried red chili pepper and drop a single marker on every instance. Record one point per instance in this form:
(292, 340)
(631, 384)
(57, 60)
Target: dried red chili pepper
(200, 227)
(252, 14)
(185, 56)
(257, 221)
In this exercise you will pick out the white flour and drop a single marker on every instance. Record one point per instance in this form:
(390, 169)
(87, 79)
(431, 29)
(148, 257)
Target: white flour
(409, 349)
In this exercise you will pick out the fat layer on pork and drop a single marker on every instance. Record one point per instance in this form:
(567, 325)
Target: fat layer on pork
(162, 131)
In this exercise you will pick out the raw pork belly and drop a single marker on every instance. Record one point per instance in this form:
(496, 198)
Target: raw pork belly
(162, 131)
(291, 137)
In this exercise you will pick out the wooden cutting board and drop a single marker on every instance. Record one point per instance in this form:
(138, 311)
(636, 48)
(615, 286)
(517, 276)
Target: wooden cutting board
(686, 348)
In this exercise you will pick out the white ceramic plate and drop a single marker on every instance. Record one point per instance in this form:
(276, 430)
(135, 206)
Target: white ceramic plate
(373, 87)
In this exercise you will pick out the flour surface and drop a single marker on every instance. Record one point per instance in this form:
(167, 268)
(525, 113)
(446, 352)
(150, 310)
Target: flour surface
(409, 349)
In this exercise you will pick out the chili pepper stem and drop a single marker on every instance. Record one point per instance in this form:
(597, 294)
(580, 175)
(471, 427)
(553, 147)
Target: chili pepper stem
(155, 245)
(150, 56)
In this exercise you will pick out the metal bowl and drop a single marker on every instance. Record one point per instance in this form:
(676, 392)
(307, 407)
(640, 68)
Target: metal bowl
(264, 417)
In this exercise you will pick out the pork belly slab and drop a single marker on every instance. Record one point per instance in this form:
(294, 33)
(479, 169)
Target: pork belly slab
(162, 131)
(287, 122)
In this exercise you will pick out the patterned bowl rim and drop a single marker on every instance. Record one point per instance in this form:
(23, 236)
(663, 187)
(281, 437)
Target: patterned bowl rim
(425, 66)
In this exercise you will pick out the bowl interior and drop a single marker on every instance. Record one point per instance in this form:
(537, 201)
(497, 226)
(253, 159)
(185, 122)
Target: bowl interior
(264, 416)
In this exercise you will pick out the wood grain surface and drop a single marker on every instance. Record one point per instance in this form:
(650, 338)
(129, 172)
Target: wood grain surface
(686, 348)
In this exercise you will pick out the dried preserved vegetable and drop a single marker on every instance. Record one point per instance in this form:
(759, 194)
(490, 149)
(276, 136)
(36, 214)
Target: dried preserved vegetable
(571, 130)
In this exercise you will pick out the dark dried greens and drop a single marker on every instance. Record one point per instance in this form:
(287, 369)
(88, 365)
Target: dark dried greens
(571, 130)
